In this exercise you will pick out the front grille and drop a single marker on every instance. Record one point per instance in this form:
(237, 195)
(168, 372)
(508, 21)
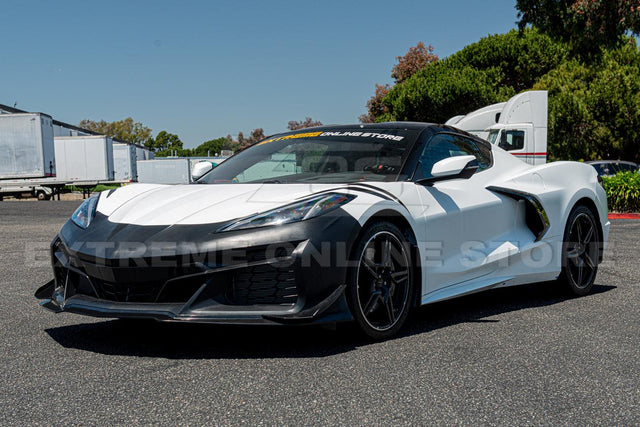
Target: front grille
(263, 284)
(128, 292)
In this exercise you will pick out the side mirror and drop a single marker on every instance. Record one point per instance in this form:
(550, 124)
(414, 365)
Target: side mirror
(452, 167)
(200, 169)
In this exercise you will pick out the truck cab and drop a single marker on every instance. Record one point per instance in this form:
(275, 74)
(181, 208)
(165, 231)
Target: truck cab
(518, 126)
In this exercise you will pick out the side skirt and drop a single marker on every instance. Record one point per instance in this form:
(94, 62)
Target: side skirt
(465, 288)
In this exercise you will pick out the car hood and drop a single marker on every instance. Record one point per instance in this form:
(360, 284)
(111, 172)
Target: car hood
(151, 204)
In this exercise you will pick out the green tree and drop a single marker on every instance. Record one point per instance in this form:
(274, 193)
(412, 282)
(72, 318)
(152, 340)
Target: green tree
(587, 25)
(167, 141)
(488, 71)
(168, 144)
(521, 58)
(441, 91)
(212, 147)
(124, 130)
(179, 152)
(594, 109)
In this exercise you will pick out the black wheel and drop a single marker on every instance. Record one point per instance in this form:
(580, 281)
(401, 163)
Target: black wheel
(580, 248)
(381, 281)
(41, 195)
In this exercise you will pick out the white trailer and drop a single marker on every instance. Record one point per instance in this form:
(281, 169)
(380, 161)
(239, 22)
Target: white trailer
(518, 125)
(84, 158)
(26, 146)
(143, 153)
(125, 162)
(164, 171)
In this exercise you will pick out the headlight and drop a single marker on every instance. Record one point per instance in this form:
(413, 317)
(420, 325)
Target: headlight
(298, 211)
(83, 216)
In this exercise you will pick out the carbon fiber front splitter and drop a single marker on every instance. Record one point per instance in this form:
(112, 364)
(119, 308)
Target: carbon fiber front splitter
(332, 309)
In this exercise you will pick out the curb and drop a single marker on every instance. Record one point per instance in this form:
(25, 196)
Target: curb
(624, 215)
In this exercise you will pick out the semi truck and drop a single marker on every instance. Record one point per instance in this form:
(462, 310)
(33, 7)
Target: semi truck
(518, 126)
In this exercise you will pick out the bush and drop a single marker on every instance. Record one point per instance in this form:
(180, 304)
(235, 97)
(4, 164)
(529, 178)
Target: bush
(623, 192)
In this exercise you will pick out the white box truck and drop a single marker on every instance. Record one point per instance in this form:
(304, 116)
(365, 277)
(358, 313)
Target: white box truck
(84, 158)
(518, 125)
(164, 171)
(125, 162)
(26, 146)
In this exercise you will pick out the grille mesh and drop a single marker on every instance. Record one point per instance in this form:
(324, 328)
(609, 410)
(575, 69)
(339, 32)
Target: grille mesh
(264, 284)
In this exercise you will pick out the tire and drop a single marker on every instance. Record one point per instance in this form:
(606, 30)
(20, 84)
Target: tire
(380, 283)
(580, 246)
(41, 195)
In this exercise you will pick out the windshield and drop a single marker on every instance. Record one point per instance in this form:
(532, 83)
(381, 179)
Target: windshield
(493, 134)
(319, 156)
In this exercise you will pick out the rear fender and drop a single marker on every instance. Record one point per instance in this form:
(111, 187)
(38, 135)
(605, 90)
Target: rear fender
(559, 186)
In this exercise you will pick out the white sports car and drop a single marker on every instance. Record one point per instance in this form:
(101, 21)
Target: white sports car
(342, 223)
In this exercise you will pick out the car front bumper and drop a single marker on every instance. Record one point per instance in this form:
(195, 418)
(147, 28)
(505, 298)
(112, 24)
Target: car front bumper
(295, 273)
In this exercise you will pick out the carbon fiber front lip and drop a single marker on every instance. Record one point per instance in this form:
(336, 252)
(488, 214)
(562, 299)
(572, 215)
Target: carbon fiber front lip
(174, 312)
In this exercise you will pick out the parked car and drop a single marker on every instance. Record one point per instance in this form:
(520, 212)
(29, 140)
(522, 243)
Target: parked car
(612, 167)
(331, 224)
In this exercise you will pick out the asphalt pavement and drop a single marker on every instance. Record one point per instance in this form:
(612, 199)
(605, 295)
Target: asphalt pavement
(526, 355)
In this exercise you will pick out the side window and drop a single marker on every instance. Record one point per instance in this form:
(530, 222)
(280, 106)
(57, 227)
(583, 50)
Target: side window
(512, 140)
(445, 145)
(625, 167)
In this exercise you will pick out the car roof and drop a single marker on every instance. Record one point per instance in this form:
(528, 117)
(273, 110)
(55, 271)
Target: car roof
(383, 125)
(386, 125)
(607, 162)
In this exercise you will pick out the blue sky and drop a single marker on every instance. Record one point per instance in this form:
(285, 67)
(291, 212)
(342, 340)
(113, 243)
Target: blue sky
(205, 69)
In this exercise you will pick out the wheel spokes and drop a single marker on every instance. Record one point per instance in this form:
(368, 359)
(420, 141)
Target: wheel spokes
(580, 268)
(573, 253)
(400, 276)
(370, 266)
(588, 260)
(372, 304)
(388, 305)
(386, 253)
(579, 230)
(589, 235)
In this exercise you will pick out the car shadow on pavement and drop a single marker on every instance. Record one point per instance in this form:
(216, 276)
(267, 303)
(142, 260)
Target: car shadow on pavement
(201, 341)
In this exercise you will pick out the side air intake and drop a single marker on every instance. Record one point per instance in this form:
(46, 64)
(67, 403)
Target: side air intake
(535, 216)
